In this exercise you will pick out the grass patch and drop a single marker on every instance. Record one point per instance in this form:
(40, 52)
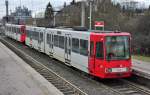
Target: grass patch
(142, 58)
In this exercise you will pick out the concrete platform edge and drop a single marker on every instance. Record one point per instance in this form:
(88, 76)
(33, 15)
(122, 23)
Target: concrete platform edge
(46, 87)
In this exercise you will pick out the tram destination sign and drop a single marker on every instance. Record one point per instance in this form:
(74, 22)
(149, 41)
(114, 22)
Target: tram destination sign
(99, 25)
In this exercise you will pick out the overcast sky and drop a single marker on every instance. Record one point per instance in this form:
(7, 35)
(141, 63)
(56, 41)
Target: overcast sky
(37, 5)
(34, 5)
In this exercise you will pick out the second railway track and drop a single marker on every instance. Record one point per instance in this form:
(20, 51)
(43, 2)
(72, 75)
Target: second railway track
(119, 86)
(125, 87)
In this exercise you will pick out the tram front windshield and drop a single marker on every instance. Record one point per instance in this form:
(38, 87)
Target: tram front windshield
(117, 47)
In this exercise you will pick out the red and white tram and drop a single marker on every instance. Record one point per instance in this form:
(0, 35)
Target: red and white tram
(16, 32)
(100, 53)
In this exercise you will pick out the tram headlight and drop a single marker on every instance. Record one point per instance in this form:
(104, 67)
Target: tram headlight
(109, 70)
(128, 69)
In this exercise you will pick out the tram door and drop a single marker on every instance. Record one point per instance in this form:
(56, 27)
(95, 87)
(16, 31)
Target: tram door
(51, 44)
(67, 49)
(16, 30)
(92, 57)
(40, 40)
(31, 37)
(96, 58)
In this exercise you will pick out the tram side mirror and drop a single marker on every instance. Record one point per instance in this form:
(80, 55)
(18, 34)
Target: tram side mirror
(87, 52)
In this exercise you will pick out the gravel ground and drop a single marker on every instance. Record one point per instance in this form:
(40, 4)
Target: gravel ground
(76, 77)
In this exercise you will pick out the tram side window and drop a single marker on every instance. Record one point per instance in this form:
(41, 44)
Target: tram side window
(61, 42)
(33, 35)
(18, 30)
(41, 36)
(9, 28)
(36, 35)
(30, 33)
(99, 50)
(84, 47)
(27, 33)
(91, 49)
(75, 45)
(56, 40)
(15, 30)
(47, 38)
(12, 29)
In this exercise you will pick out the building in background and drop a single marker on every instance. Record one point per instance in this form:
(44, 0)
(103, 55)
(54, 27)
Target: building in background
(20, 15)
(133, 4)
(130, 4)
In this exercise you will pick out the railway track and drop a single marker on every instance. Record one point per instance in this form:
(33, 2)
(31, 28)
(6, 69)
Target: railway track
(125, 87)
(60, 83)
(119, 86)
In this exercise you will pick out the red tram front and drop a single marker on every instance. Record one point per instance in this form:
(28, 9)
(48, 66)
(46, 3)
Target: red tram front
(22, 35)
(110, 55)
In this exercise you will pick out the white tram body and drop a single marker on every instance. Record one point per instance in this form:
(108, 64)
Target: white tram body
(35, 38)
(13, 31)
(57, 43)
(8, 30)
(68, 46)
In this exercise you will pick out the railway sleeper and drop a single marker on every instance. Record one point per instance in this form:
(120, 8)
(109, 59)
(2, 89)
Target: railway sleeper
(48, 77)
(65, 90)
(69, 92)
(130, 92)
(54, 82)
(124, 89)
(62, 88)
(44, 74)
(42, 69)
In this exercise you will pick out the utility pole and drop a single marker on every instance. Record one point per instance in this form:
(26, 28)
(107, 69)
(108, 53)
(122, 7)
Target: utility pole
(6, 3)
(55, 13)
(83, 13)
(35, 23)
(90, 15)
(54, 23)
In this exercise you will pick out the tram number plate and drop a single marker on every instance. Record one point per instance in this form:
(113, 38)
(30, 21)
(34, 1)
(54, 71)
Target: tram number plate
(119, 69)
